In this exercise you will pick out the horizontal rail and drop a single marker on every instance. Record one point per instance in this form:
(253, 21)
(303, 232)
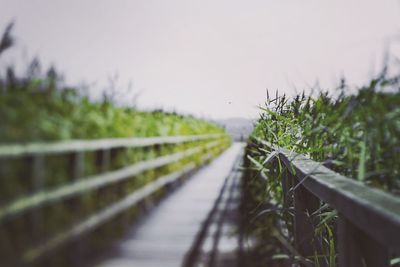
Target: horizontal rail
(91, 145)
(375, 212)
(94, 182)
(95, 220)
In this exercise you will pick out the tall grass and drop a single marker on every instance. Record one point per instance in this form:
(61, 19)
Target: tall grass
(357, 135)
(36, 109)
(37, 106)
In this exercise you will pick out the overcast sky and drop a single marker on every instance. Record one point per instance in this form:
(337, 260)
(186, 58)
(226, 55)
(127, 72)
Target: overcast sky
(212, 58)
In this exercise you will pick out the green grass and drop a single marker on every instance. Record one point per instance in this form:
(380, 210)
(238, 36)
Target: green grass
(37, 106)
(36, 110)
(357, 135)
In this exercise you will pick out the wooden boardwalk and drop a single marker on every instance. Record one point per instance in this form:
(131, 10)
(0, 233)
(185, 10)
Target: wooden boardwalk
(197, 220)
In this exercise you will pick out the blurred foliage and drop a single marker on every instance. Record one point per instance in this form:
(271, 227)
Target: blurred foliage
(37, 107)
(6, 40)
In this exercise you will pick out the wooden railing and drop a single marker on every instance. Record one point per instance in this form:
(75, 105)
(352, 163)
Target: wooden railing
(368, 229)
(29, 208)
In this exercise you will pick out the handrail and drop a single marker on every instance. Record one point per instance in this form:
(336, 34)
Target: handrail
(29, 205)
(106, 214)
(365, 213)
(94, 182)
(18, 150)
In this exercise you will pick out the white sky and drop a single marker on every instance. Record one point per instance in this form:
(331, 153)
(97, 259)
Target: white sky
(212, 58)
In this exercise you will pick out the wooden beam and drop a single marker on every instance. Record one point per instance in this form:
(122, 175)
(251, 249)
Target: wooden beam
(106, 214)
(356, 248)
(373, 211)
(19, 150)
(96, 181)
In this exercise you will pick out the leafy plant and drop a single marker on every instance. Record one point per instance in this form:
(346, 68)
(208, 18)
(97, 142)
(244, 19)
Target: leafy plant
(357, 135)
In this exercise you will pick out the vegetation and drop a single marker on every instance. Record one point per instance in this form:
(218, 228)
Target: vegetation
(356, 135)
(37, 107)
(34, 108)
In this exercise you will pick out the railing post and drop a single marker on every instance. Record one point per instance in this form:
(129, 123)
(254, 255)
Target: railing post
(76, 162)
(121, 192)
(306, 242)
(287, 184)
(37, 172)
(356, 248)
(77, 165)
(103, 159)
(37, 185)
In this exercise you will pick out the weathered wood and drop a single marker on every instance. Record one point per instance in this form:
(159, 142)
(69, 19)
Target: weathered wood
(287, 184)
(93, 182)
(194, 252)
(371, 210)
(37, 173)
(103, 159)
(78, 184)
(348, 249)
(219, 222)
(38, 176)
(304, 206)
(192, 255)
(306, 242)
(76, 163)
(356, 248)
(105, 214)
(92, 145)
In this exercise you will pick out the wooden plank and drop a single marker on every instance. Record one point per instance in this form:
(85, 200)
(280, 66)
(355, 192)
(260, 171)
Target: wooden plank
(76, 169)
(305, 204)
(76, 165)
(306, 242)
(356, 248)
(104, 215)
(96, 181)
(38, 176)
(287, 184)
(348, 249)
(37, 172)
(213, 256)
(373, 211)
(19, 150)
(103, 159)
(194, 252)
